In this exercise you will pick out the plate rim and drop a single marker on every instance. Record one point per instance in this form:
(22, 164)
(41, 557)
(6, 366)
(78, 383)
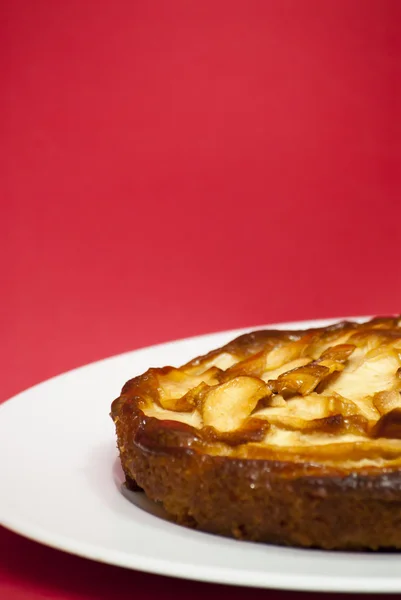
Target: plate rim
(164, 568)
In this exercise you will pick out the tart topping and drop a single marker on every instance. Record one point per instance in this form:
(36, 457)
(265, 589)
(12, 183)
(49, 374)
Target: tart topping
(324, 395)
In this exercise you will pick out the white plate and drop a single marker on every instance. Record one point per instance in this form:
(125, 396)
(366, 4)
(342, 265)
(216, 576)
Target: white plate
(61, 485)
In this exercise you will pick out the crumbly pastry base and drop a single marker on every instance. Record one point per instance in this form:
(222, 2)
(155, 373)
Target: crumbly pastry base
(230, 483)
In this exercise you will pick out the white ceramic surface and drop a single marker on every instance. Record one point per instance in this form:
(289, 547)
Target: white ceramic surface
(61, 485)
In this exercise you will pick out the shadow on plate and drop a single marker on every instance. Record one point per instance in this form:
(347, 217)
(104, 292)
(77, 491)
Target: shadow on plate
(138, 498)
(105, 477)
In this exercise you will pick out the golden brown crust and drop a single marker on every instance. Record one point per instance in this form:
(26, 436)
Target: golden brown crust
(232, 481)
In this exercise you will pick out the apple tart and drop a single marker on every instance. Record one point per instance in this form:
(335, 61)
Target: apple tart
(285, 437)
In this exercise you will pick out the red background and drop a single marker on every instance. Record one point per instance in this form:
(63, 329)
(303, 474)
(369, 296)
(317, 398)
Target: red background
(169, 168)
